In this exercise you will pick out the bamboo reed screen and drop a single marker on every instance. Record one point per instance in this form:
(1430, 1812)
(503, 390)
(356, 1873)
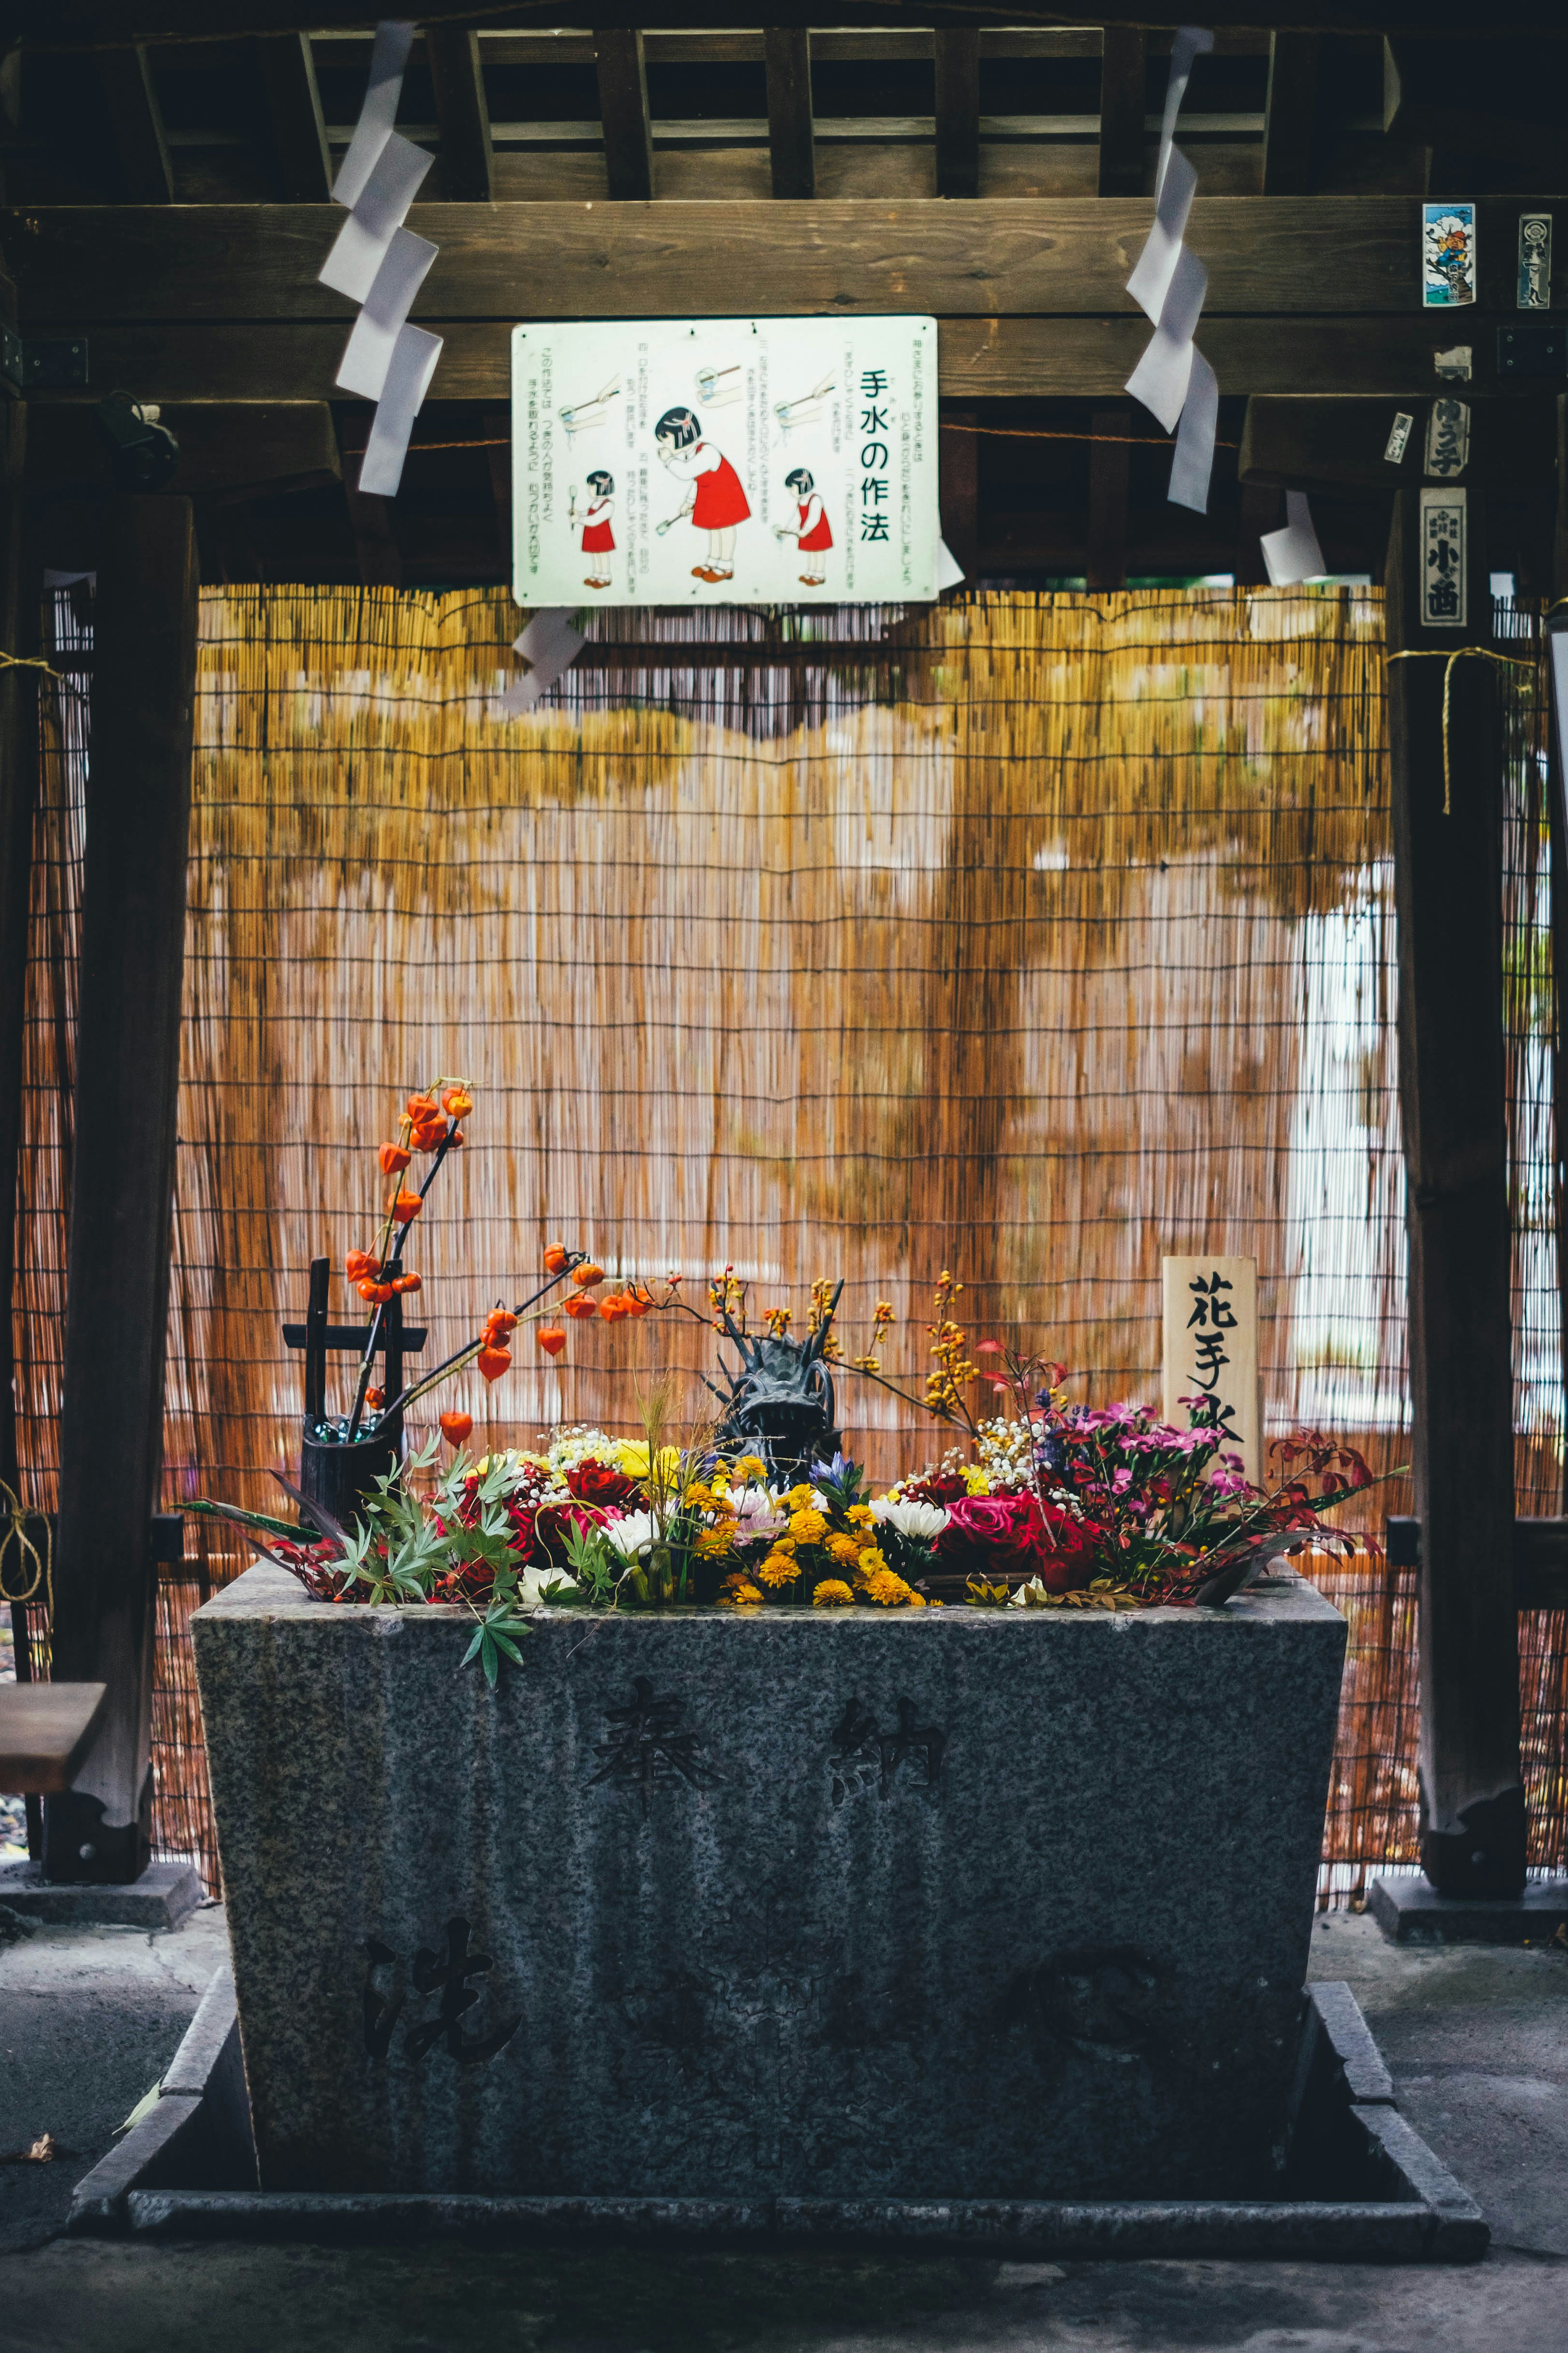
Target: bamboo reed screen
(1030, 937)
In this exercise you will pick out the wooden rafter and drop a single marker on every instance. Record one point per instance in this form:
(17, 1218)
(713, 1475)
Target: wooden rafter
(294, 116)
(1290, 114)
(957, 56)
(452, 52)
(623, 110)
(1123, 78)
(791, 144)
(136, 124)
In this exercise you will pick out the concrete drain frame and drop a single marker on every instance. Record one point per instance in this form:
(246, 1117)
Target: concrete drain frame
(1358, 2184)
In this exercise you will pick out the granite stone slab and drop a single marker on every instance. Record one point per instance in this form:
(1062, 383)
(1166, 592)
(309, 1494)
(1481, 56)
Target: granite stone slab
(809, 1904)
(165, 1894)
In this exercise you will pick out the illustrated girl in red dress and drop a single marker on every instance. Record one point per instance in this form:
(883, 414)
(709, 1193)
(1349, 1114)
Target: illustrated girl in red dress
(598, 539)
(716, 499)
(812, 534)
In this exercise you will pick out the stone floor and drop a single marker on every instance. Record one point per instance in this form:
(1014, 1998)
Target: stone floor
(1477, 2042)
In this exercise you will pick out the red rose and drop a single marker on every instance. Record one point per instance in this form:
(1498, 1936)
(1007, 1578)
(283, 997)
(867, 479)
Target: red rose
(1002, 1534)
(944, 1487)
(595, 1483)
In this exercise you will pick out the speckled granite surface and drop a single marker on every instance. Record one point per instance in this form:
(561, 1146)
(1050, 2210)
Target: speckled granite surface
(704, 1905)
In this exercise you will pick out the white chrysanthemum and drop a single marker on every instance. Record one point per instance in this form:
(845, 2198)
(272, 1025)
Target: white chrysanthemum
(921, 1521)
(633, 1536)
(531, 1582)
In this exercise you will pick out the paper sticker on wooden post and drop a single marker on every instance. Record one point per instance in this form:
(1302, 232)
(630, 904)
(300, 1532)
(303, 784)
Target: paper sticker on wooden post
(1535, 261)
(1211, 1349)
(1447, 256)
(1444, 605)
(1448, 439)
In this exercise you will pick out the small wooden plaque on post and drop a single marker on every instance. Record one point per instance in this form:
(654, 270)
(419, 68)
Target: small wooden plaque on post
(1211, 1349)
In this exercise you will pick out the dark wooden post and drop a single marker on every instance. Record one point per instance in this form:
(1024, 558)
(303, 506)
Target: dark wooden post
(128, 1059)
(958, 487)
(1109, 493)
(1448, 894)
(20, 594)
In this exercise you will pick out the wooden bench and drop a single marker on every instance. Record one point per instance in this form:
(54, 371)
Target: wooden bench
(46, 1730)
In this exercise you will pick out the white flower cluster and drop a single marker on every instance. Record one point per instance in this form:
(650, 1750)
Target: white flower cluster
(1006, 1450)
(581, 1444)
(921, 1522)
(632, 1535)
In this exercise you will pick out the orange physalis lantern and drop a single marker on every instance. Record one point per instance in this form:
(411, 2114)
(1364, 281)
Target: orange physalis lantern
(579, 1306)
(406, 1281)
(375, 1399)
(359, 1263)
(493, 1361)
(405, 1207)
(457, 1101)
(555, 1259)
(394, 1159)
(551, 1338)
(457, 1428)
(588, 1275)
(500, 1323)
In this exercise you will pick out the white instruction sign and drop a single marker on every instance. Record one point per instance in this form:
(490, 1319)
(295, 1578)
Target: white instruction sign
(725, 462)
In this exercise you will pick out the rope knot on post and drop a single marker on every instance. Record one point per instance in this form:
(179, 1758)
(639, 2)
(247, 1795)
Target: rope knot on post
(1435, 653)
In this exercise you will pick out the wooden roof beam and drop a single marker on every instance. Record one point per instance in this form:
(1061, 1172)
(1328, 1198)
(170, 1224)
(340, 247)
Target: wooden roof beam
(792, 141)
(623, 111)
(71, 23)
(293, 105)
(136, 125)
(452, 52)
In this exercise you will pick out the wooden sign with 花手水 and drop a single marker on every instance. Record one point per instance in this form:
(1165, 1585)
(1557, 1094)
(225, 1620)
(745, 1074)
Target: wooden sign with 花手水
(1210, 1349)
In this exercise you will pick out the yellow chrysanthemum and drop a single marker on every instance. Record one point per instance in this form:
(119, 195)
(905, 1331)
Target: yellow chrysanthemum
(713, 1543)
(741, 1596)
(844, 1549)
(799, 1498)
(779, 1568)
(632, 1456)
(807, 1526)
(887, 1588)
(859, 1516)
(832, 1594)
(870, 1562)
(751, 1466)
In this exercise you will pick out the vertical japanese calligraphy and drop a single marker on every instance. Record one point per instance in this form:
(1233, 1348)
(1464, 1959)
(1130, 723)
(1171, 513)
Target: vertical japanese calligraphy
(1443, 603)
(1210, 1349)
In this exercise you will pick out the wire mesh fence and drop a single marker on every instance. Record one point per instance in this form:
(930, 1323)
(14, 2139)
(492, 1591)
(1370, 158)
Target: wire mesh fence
(1034, 937)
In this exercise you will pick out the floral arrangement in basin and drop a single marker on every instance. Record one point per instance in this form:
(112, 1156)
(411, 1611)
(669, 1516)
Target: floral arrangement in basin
(758, 1507)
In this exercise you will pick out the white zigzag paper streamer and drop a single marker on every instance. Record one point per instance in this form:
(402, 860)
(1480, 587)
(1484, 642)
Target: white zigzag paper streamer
(379, 264)
(1173, 379)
